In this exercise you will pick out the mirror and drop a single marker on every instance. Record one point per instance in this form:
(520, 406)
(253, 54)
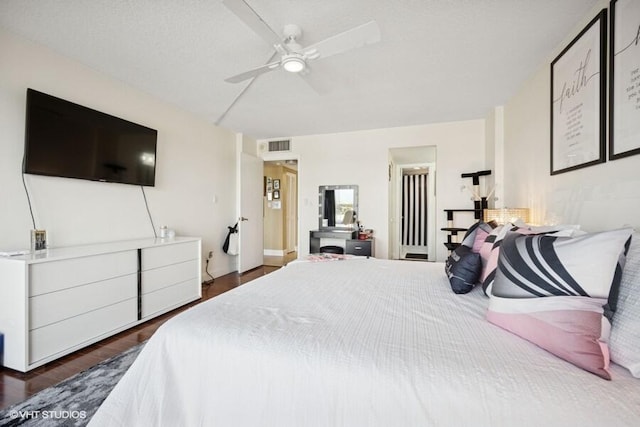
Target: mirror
(338, 207)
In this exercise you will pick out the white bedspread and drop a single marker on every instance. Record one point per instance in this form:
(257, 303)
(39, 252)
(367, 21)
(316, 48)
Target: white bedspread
(356, 343)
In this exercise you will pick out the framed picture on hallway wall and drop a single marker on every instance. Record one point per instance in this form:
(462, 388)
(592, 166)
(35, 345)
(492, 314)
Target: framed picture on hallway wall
(624, 89)
(578, 98)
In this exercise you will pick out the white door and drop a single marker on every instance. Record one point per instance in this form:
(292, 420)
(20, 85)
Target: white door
(251, 220)
(291, 216)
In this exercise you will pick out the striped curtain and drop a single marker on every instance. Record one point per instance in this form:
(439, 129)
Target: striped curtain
(414, 210)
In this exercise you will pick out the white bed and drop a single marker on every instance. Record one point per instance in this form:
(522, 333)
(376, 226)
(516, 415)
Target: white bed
(360, 342)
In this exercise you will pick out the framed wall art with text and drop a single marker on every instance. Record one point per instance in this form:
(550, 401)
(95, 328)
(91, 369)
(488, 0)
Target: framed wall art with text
(578, 99)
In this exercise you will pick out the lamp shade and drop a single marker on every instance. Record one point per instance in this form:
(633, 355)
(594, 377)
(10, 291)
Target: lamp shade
(504, 215)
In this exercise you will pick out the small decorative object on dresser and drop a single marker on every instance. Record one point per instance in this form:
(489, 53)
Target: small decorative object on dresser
(38, 240)
(365, 234)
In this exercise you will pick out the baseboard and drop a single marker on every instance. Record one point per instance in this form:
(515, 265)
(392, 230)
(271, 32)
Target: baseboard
(273, 252)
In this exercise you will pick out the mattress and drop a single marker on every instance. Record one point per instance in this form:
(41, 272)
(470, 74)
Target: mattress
(359, 342)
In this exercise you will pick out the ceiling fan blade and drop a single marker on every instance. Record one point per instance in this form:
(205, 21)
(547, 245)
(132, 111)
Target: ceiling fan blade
(249, 16)
(359, 36)
(319, 85)
(253, 73)
(242, 92)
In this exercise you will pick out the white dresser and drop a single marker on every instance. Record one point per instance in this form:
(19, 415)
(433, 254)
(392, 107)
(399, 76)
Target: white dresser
(60, 300)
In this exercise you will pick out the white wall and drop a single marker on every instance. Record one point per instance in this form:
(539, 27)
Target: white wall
(597, 197)
(494, 154)
(195, 161)
(362, 158)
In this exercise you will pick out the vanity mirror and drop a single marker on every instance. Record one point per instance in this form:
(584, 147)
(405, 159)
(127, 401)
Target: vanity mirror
(338, 207)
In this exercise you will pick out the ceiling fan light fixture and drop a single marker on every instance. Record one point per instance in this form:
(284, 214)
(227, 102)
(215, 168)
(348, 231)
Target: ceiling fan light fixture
(293, 63)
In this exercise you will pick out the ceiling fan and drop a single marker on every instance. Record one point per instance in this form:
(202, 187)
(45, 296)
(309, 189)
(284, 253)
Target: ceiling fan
(292, 56)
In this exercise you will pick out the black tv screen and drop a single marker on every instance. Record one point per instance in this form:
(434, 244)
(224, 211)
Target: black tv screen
(68, 140)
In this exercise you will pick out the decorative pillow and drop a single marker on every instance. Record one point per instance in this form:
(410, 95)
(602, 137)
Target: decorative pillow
(574, 229)
(625, 332)
(554, 291)
(487, 246)
(477, 233)
(463, 268)
(490, 251)
(480, 237)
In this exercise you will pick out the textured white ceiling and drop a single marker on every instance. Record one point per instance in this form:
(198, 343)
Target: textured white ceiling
(439, 60)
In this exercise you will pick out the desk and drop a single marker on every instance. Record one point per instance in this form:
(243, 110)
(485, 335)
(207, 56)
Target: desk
(352, 245)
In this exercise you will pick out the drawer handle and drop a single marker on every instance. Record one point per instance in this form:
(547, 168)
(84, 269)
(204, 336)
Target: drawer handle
(358, 248)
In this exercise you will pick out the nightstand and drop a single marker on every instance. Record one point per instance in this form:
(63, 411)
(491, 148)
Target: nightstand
(359, 247)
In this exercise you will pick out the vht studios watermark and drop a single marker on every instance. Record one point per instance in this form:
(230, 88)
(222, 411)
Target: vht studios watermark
(51, 415)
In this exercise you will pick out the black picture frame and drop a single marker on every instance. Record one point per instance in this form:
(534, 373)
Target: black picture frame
(624, 79)
(578, 100)
(276, 194)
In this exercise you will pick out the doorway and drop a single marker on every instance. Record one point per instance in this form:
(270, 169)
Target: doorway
(413, 217)
(280, 211)
(412, 203)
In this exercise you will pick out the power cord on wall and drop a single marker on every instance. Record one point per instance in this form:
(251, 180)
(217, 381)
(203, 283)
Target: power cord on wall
(33, 219)
(206, 269)
(24, 184)
(155, 234)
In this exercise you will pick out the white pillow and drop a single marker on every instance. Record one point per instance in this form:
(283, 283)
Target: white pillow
(624, 342)
(567, 230)
(558, 291)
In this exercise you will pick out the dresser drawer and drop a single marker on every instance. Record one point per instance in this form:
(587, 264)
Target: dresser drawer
(359, 247)
(54, 307)
(56, 275)
(170, 297)
(162, 277)
(80, 330)
(160, 256)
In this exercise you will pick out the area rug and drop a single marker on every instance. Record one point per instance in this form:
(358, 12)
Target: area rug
(73, 401)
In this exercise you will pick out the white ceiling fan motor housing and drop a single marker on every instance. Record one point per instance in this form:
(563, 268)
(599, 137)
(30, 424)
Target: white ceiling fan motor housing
(292, 32)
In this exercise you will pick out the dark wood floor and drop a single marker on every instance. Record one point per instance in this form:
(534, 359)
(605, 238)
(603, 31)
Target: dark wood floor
(16, 386)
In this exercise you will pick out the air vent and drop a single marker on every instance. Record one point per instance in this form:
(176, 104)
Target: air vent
(282, 145)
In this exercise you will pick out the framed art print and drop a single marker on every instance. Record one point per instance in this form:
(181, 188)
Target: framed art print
(578, 98)
(38, 240)
(624, 90)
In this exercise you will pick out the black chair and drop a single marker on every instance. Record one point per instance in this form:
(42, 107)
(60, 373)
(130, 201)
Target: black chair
(332, 250)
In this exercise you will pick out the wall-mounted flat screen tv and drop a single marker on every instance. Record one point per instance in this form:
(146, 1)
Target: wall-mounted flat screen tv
(68, 140)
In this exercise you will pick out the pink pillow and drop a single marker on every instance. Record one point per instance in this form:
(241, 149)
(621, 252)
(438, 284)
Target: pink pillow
(569, 327)
(479, 239)
(561, 292)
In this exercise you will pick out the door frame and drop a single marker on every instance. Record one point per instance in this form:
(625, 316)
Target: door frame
(281, 156)
(431, 207)
(291, 202)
